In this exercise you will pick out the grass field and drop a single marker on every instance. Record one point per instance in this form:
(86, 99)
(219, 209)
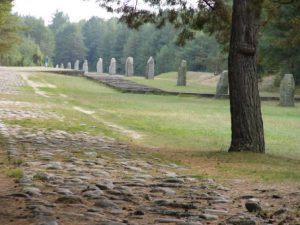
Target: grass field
(200, 82)
(188, 130)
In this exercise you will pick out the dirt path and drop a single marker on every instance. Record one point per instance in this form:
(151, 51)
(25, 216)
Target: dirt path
(77, 179)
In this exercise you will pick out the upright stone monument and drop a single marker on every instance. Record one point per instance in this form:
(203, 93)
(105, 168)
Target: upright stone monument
(69, 66)
(62, 66)
(76, 65)
(100, 66)
(181, 79)
(113, 67)
(57, 66)
(150, 69)
(287, 90)
(129, 69)
(223, 85)
(85, 66)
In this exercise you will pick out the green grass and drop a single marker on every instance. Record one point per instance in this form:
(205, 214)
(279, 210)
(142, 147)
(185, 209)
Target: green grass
(192, 131)
(197, 82)
(15, 173)
(167, 82)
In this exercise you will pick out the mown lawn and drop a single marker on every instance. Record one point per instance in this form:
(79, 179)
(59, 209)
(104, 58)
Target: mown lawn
(188, 130)
(197, 82)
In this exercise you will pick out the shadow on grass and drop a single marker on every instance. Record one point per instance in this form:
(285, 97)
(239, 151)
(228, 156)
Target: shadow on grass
(224, 165)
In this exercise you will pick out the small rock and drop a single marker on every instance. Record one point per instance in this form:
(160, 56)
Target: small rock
(206, 216)
(253, 206)
(93, 193)
(70, 199)
(167, 191)
(90, 154)
(280, 211)
(20, 195)
(189, 223)
(241, 220)
(25, 180)
(276, 196)
(138, 213)
(106, 203)
(216, 212)
(33, 191)
(174, 180)
(110, 223)
(105, 185)
(54, 166)
(40, 210)
(51, 222)
(64, 191)
(168, 220)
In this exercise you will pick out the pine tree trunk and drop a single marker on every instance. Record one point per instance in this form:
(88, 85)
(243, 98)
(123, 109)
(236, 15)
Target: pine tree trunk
(246, 119)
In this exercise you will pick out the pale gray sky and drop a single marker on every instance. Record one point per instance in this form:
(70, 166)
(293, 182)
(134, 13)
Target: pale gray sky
(76, 9)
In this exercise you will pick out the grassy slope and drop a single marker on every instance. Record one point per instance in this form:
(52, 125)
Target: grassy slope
(167, 81)
(194, 131)
(197, 82)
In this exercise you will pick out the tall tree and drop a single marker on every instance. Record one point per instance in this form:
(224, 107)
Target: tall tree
(246, 119)
(119, 39)
(280, 44)
(9, 27)
(59, 20)
(69, 45)
(94, 31)
(213, 15)
(41, 34)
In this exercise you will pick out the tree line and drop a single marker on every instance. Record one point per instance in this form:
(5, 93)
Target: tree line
(63, 42)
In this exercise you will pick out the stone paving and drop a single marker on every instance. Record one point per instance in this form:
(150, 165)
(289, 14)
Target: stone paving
(80, 179)
(123, 85)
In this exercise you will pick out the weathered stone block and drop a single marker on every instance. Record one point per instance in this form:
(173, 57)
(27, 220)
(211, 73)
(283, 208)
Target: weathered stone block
(129, 68)
(181, 78)
(150, 69)
(287, 90)
(223, 85)
(76, 65)
(85, 66)
(113, 67)
(100, 66)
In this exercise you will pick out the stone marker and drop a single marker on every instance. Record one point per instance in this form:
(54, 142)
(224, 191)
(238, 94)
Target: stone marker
(150, 69)
(181, 79)
(62, 66)
(222, 86)
(113, 67)
(100, 66)
(57, 66)
(129, 69)
(69, 66)
(85, 66)
(287, 90)
(76, 65)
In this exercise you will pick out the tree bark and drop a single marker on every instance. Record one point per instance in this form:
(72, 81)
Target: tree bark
(246, 119)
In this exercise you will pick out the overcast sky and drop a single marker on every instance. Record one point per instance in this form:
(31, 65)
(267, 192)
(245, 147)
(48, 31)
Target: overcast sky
(76, 9)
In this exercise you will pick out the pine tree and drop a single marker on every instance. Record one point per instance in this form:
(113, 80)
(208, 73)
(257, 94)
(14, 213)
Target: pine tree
(69, 45)
(9, 27)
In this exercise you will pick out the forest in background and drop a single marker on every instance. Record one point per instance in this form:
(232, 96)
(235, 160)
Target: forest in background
(62, 42)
